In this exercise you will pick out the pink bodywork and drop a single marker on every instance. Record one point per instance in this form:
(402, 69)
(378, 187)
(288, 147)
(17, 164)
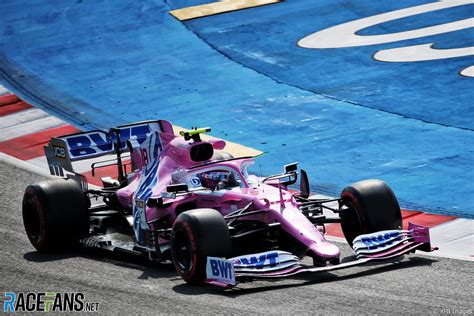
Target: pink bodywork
(175, 166)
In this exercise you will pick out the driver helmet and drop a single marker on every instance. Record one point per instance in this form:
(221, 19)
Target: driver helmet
(217, 180)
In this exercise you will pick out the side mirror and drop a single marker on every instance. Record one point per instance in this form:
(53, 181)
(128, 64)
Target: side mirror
(175, 188)
(304, 184)
(291, 167)
(155, 202)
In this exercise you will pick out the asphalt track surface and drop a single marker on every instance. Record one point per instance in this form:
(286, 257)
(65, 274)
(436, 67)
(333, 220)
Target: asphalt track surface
(416, 284)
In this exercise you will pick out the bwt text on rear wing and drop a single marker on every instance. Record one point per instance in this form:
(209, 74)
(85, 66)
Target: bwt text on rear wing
(62, 151)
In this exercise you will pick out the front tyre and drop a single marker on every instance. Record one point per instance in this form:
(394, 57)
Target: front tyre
(55, 214)
(371, 206)
(196, 235)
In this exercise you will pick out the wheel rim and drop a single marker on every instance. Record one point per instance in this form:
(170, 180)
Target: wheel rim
(32, 221)
(351, 222)
(183, 252)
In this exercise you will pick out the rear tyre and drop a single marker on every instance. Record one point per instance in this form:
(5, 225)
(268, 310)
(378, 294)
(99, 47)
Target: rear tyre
(55, 214)
(196, 235)
(371, 206)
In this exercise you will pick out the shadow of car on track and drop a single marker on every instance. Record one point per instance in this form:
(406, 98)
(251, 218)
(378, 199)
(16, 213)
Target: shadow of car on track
(153, 270)
(35, 256)
(150, 270)
(305, 279)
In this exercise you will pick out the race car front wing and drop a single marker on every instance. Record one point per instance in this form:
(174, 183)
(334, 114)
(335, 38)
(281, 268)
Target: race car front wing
(383, 245)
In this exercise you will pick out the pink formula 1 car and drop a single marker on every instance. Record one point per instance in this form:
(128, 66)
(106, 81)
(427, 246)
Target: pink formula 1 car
(177, 198)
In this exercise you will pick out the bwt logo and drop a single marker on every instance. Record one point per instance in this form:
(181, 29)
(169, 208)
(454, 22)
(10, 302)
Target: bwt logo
(382, 239)
(221, 268)
(97, 142)
(258, 262)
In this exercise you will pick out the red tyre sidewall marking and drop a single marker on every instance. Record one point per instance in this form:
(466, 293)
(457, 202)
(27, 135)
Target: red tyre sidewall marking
(188, 230)
(42, 234)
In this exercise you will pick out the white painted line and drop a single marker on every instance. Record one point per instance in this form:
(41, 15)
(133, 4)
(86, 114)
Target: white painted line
(468, 72)
(21, 117)
(454, 238)
(3, 90)
(29, 127)
(420, 52)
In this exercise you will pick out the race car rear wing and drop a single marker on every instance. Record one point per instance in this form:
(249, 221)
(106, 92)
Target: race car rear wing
(62, 151)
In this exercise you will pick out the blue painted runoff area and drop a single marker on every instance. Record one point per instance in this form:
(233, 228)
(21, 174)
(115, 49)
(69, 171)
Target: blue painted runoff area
(343, 115)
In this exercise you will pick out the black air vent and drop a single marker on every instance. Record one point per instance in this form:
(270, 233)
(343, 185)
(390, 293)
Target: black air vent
(201, 152)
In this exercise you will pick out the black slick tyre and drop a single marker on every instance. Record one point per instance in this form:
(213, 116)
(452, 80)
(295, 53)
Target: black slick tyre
(55, 214)
(197, 234)
(371, 206)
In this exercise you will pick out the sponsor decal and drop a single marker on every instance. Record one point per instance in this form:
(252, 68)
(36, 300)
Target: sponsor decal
(221, 270)
(258, 261)
(265, 261)
(377, 240)
(139, 203)
(96, 143)
(59, 152)
(194, 182)
(47, 302)
(148, 180)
